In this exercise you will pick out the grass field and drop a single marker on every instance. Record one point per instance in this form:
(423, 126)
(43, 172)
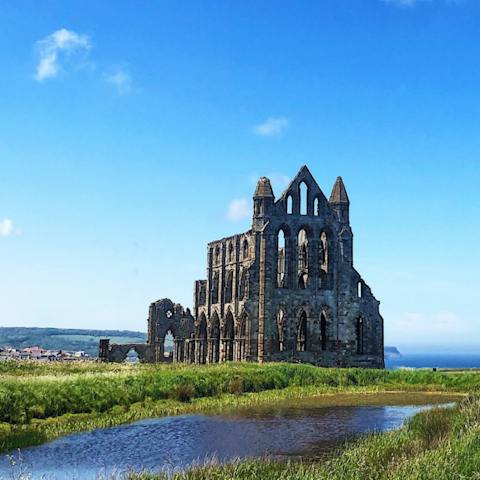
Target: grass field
(40, 401)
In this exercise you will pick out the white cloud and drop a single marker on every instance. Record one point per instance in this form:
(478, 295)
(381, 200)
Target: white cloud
(272, 127)
(238, 209)
(6, 227)
(63, 42)
(121, 80)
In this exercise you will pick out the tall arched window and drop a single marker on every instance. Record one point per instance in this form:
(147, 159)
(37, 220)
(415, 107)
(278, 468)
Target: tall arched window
(302, 253)
(228, 337)
(169, 346)
(228, 286)
(214, 290)
(214, 354)
(217, 255)
(245, 249)
(230, 251)
(303, 193)
(281, 259)
(281, 330)
(323, 252)
(359, 290)
(242, 285)
(289, 205)
(316, 206)
(302, 332)
(243, 328)
(360, 335)
(323, 331)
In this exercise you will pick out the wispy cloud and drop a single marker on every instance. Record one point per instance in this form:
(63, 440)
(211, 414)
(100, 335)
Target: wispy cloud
(405, 3)
(55, 47)
(238, 209)
(271, 127)
(6, 227)
(120, 80)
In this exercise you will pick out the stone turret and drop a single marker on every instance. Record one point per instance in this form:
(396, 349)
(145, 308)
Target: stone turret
(340, 202)
(263, 200)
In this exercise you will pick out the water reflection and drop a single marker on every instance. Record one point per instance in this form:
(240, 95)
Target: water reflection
(291, 429)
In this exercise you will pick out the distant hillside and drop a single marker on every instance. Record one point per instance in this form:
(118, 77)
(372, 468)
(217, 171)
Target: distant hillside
(71, 339)
(65, 339)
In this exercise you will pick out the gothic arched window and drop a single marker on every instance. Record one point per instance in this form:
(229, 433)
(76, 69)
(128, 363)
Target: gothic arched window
(229, 287)
(281, 259)
(214, 353)
(201, 337)
(289, 205)
(302, 332)
(316, 206)
(303, 197)
(228, 336)
(214, 290)
(302, 254)
(281, 329)
(245, 249)
(242, 285)
(360, 335)
(323, 252)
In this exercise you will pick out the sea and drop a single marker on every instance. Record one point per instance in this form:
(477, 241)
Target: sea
(434, 360)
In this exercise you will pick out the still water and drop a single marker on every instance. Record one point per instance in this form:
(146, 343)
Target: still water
(301, 428)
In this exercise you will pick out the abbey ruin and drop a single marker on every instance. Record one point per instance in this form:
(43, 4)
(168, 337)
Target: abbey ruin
(286, 290)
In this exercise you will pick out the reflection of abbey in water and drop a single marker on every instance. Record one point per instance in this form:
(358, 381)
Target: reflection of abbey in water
(286, 290)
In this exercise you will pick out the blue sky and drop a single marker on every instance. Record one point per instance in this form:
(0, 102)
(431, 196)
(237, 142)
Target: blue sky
(132, 134)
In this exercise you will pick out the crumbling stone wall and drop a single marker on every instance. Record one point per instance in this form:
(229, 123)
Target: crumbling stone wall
(286, 290)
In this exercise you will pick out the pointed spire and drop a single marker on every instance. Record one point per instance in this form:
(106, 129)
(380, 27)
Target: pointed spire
(264, 188)
(339, 193)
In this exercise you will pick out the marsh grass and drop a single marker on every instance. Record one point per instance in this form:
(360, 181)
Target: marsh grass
(39, 402)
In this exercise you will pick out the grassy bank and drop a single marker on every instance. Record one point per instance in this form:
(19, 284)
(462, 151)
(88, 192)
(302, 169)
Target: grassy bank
(39, 402)
(440, 444)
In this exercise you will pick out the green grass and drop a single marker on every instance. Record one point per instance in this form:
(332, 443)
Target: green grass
(440, 444)
(39, 402)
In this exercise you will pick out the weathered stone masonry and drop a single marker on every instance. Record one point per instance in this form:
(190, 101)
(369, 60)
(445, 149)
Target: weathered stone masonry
(286, 290)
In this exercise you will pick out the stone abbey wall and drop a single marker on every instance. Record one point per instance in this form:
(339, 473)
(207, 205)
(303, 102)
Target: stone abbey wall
(286, 290)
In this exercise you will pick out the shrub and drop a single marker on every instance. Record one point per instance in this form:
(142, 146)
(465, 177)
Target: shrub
(235, 386)
(183, 392)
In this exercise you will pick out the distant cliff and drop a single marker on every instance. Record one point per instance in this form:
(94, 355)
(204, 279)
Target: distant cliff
(392, 352)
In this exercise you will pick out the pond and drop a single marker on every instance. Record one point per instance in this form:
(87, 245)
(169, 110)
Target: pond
(306, 428)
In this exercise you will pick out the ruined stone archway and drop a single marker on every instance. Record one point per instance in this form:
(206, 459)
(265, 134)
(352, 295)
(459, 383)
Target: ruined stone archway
(242, 345)
(201, 340)
(118, 353)
(214, 339)
(228, 337)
